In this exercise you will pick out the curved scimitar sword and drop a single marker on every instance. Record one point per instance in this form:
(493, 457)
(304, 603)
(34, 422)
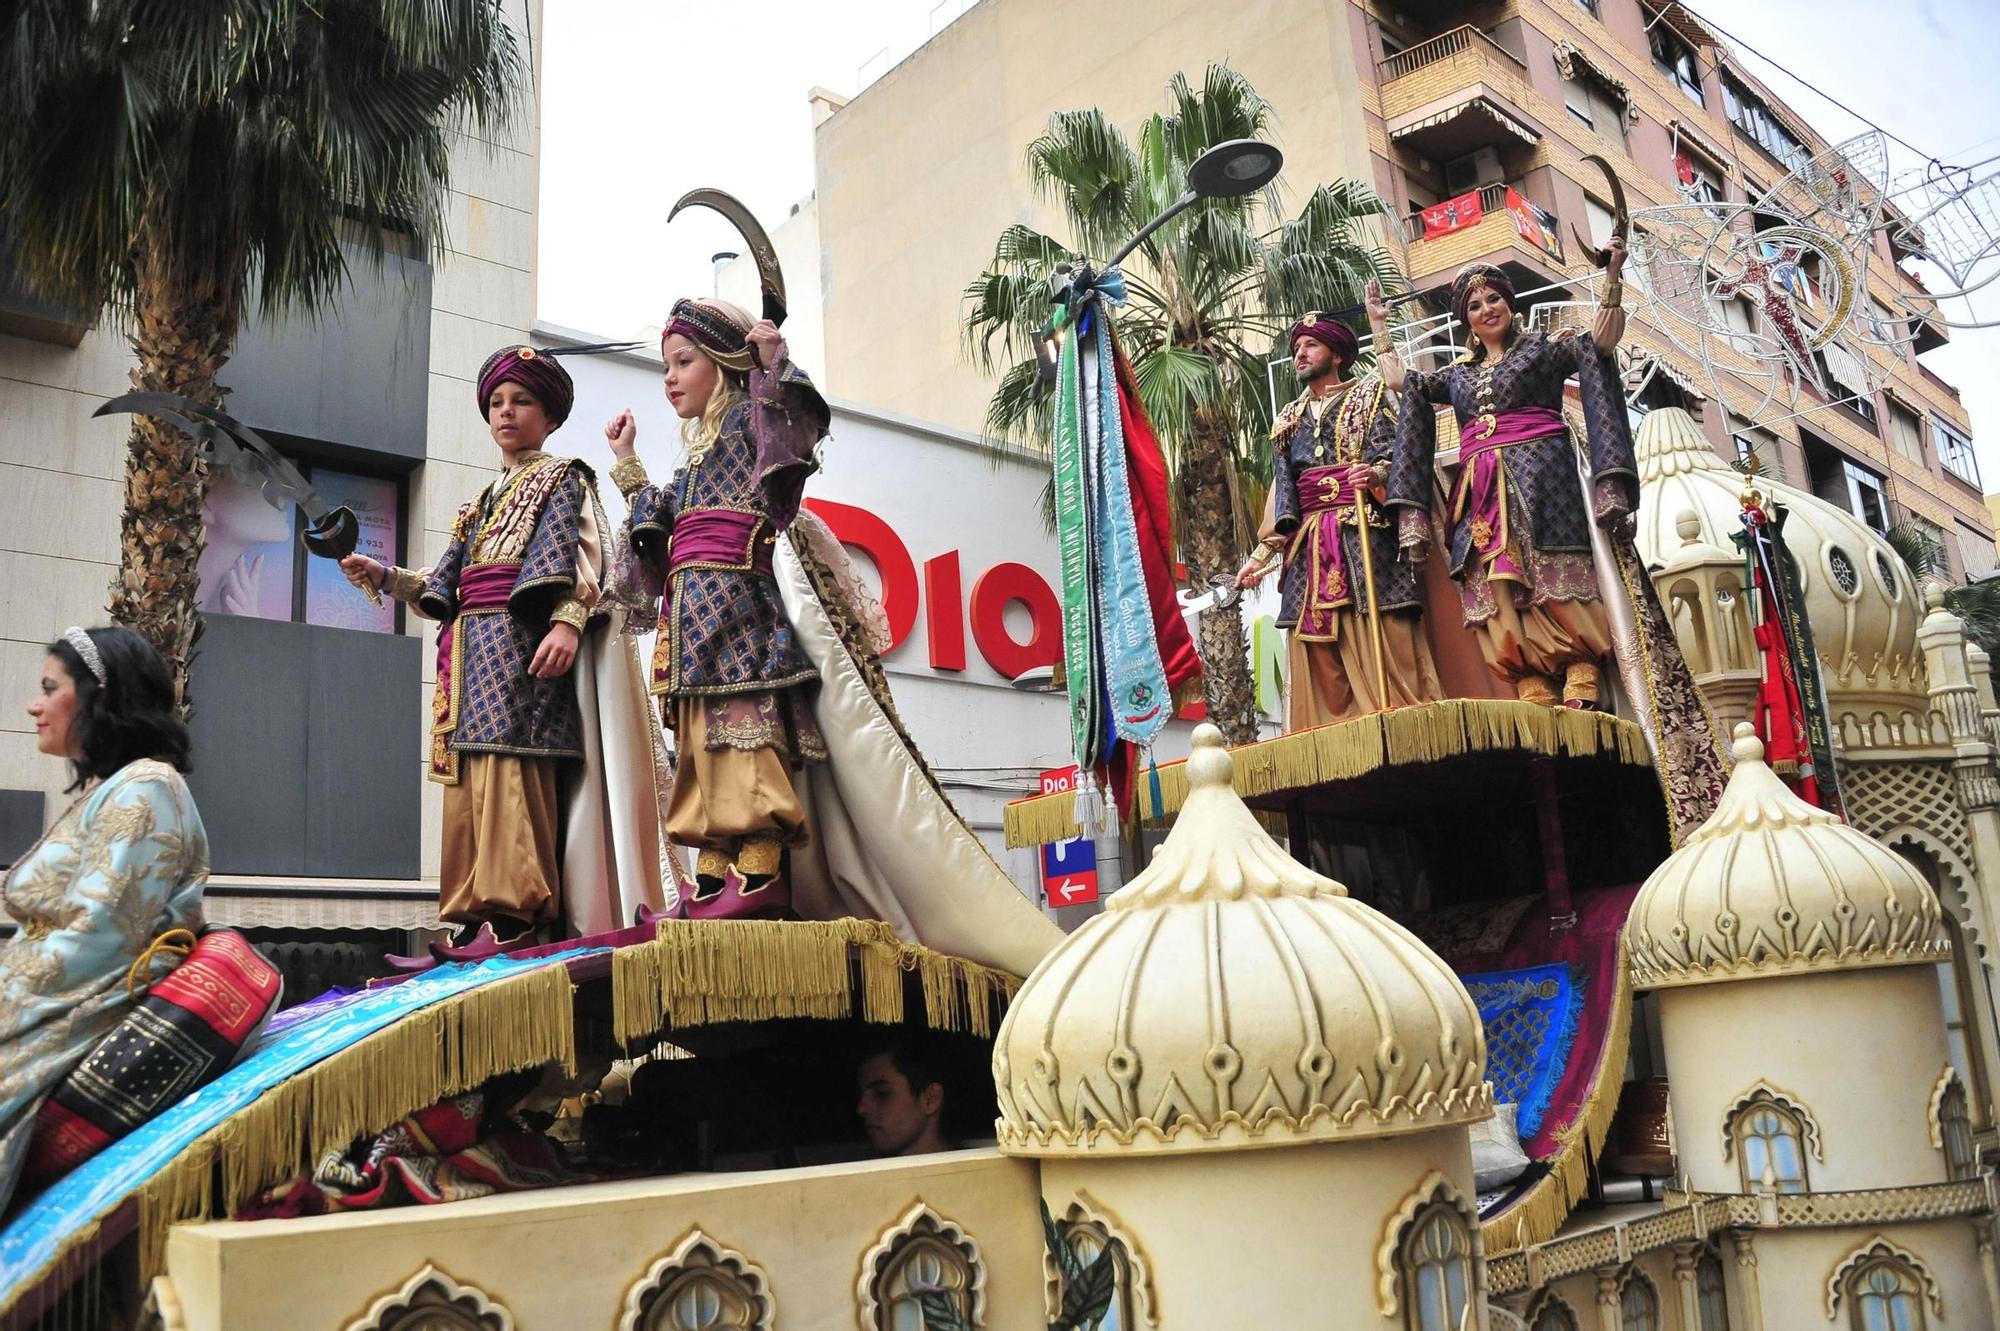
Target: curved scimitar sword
(1621, 216)
(332, 533)
(770, 278)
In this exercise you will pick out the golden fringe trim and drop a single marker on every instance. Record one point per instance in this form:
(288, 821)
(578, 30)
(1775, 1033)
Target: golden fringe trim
(446, 1048)
(700, 972)
(1540, 1214)
(1425, 733)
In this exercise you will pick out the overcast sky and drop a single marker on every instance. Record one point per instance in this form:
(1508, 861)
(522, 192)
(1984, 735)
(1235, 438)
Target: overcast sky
(645, 99)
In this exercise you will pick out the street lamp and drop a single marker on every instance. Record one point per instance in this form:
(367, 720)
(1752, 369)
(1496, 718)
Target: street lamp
(1226, 171)
(1238, 167)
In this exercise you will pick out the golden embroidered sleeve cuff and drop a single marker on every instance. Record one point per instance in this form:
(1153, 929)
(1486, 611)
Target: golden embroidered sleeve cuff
(628, 474)
(571, 612)
(402, 584)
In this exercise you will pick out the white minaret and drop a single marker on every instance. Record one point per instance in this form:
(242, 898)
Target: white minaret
(1254, 1090)
(1796, 965)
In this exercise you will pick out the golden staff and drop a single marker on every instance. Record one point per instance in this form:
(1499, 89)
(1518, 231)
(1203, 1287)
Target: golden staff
(1363, 534)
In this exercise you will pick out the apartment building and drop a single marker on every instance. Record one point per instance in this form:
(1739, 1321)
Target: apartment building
(1461, 109)
(1478, 118)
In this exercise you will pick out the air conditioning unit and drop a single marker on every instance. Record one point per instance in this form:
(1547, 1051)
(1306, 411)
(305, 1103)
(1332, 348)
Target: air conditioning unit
(1469, 173)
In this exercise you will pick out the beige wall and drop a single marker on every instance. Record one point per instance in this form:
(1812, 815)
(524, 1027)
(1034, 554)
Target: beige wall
(918, 175)
(61, 472)
(1793, 1267)
(1256, 1238)
(1861, 1049)
(565, 1258)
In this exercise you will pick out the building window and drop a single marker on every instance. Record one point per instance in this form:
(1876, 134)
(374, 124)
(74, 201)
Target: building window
(1770, 1150)
(1749, 114)
(1554, 1315)
(1955, 1129)
(1588, 6)
(924, 1257)
(1711, 1300)
(1437, 1269)
(1090, 1238)
(1675, 58)
(1594, 104)
(1954, 448)
(1698, 180)
(1846, 380)
(1598, 217)
(255, 566)
(1758, 442)
(1906, 431)
(1977, 556)
(1886, 1288)
(1865, 499)
(700, 1286)
(1934, 535)
(1638, 1304)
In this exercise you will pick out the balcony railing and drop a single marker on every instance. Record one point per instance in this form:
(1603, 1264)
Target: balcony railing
(1441, 47)
(1492, 199)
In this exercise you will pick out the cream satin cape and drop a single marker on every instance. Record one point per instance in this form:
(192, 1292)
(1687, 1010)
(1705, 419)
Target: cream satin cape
(611, 862)
(885, 844)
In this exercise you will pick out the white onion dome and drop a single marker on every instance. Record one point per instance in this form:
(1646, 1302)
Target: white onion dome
(1770, 885)
(1859, 595)
(1231, 998)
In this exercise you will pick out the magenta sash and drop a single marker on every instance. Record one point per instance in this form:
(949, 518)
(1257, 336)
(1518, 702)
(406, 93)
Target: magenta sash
(1326, 503)
(481, 587)
(1480, 496)
(721, 536)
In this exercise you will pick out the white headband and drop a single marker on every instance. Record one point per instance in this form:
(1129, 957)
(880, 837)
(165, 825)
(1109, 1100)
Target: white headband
(87, 649)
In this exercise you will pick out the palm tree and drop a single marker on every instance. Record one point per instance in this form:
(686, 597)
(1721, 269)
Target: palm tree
(176, 161)
(1977, 604)
(1212, 295)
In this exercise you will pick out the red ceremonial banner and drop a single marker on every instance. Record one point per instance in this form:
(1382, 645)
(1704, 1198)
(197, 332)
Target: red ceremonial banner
(1536, 225)
(1452, 214)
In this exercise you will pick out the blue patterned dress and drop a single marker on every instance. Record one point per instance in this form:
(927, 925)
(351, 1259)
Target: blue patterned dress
(123, 865)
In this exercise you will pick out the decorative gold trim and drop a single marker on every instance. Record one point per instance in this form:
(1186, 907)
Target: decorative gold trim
(1427, 732)
(1435, 1190)
(572, 612)
(697, 972)
(697, 1252)
(433, 1289)
(403, 584)
(919, 1222)
(1087, 1210)
(1791, 1103)
(1935, 1110)
(1880, 1248)
(629, 474)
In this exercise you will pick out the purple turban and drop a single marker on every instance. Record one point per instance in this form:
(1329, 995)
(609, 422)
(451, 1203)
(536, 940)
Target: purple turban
(1472, 277)
(1330, 333)
(717, 327)
(537, 371)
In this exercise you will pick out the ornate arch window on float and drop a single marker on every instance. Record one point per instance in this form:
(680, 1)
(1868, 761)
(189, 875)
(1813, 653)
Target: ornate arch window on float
(1088, 1230)
(923, 1259)
(1552, 1314)
(1884, 1287)
(432, 1300)
(1769, 1132)
(1951, 1125)
(1710, 1296)
(1429, 1259)
(700, 1286)
(1638, 1303)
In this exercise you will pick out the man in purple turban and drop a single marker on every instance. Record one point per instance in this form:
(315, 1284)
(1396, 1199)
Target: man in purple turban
(1351, 606)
